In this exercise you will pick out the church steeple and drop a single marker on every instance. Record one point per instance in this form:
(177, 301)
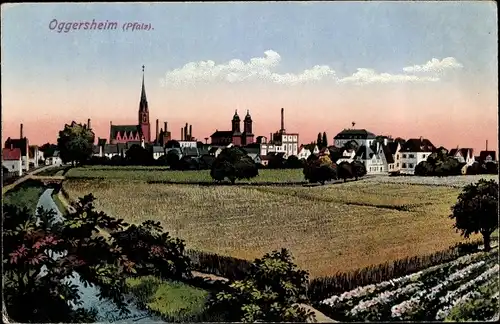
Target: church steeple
(143, 105)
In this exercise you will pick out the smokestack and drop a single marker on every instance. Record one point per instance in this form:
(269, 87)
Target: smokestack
(190, 132)
(270, 137)
(186, 132)
(165, 128)
(486, 141)
(21, 131)
(157, 129)
(88, 124)
(182, 133)
(282, 119)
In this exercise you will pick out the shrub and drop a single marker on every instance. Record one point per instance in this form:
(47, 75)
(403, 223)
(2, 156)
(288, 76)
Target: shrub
(220, 265)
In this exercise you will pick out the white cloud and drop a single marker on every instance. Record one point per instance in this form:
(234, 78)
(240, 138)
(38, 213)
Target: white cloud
(263, 69)
(367, 76)
(435, 66)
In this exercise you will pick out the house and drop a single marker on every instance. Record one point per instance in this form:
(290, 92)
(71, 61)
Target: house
(255, 158)
(34, 155)
(191, 144)
(55, 159)
(175, 149)
(348, 156)
(21, 143)
(11, 160)
(158, 151)
(264, 159)
(191, 152)
(487, 156)
(361, 136)
(372, 157)
(463, 155)
(392, 157)
(214, 151)
(414, 151)
(305, 151)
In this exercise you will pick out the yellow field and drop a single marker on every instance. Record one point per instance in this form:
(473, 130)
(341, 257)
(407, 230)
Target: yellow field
(327, 228)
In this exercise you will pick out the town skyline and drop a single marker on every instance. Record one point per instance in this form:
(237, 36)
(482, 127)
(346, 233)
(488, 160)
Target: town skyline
(394, 79)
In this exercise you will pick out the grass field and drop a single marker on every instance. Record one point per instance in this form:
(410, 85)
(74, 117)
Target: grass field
(163, 174)
(328, 228)
(174, 300)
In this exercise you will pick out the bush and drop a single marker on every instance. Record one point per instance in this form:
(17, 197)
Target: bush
(320, 170)
(220, 265)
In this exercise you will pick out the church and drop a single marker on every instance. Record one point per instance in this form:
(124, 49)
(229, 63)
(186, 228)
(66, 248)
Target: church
(235, 136)
(123, 134)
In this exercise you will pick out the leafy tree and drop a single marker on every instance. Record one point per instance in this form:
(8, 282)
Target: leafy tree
(138, 155)
(490, 168)
(153, 251)
(270, 292)
(173, 159)
(75, 143)
(320, 170)
(48, 149)
(206, 161)
(351, 145)
(319, 141)
(35, 285)
(117, 160)
(335, 153)
(162, 160)
(276, 162)
(293, 162)
(324, 140)
(476, 210)
(424, 168)
(233, 163)
(172, 144)
(358, 169)
(345, 171)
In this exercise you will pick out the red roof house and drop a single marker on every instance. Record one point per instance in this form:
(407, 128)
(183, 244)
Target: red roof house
(13, 154)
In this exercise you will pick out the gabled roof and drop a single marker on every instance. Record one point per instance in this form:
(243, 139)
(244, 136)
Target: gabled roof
(393, 147)
(388, 154)
(364, 152)
(11, 154)
(21, 144)
(355, 133)
(252, 150)
(222, 134)
(124, 129)
(484, 154)
(466, 151)
(190, 151)
(453, 152)
(418, 145)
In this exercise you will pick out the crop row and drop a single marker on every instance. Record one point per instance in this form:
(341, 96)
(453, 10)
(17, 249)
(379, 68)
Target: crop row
(417, 296)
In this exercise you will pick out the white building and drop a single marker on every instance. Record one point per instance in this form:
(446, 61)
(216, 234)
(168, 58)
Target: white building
(34, 155)
(305, 153)
(287, 143)
(191, 144)
(373, 158)
(414, 151)
(463, 155)
(347, 156)
(11, 159)
(158, 151)
(360, 136)
(392, 157)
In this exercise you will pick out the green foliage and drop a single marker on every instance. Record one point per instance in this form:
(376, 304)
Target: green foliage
(439, 163)
(232, 163)
(351, 145)
(276, 162)
(153, 251)
(173, 159)
(477, 309)
(25, 195)
(220, 265)
(138, 155)
(358, 169)
(36, 295)
(476, 210)
(319, 141)
(75, 143)
(270, 292)
(293, 162)
(320, 170)
(324, 140)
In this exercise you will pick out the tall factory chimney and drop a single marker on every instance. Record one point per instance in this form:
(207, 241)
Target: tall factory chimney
(182, 133)
(282, 119)
(21, 131)
(165, 128)
(486, 143)
(88, 124)
(157, 130)
(190, 132)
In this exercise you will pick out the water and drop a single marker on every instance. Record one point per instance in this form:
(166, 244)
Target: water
(107, 311)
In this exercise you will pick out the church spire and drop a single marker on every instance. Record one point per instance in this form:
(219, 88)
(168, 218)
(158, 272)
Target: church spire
(144, 101)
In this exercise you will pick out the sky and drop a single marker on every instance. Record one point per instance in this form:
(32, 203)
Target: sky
(405, 69)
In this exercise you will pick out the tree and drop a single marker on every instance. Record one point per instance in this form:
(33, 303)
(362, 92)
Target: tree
(138, 155)
(270, 292)
(490, 168)
(345, 171)
(358, 169)
(293, 162)
(154, 252)
(276, 162)
(48, 149)
(75, 143)
(206, 161)
(35, 285)
(424, 168)
(173, 159)
(324, 140)
(351, 145)
(476, 210)
(233, 163)
(172, 144)
(319, 141)
(320, 170)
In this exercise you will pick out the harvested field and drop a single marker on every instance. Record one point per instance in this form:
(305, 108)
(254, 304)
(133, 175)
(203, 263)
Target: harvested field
(452, 181)
(328, 229)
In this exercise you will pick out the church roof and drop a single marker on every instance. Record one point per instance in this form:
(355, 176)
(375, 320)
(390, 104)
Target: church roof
(121, 129)
(222, 134)
(355, 133)
(143, 105)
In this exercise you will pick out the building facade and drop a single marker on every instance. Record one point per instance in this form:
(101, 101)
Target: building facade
(11, 160)
(235, 136)
(414, 151)
(22, 143)
(281, 141)
(361, 136)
